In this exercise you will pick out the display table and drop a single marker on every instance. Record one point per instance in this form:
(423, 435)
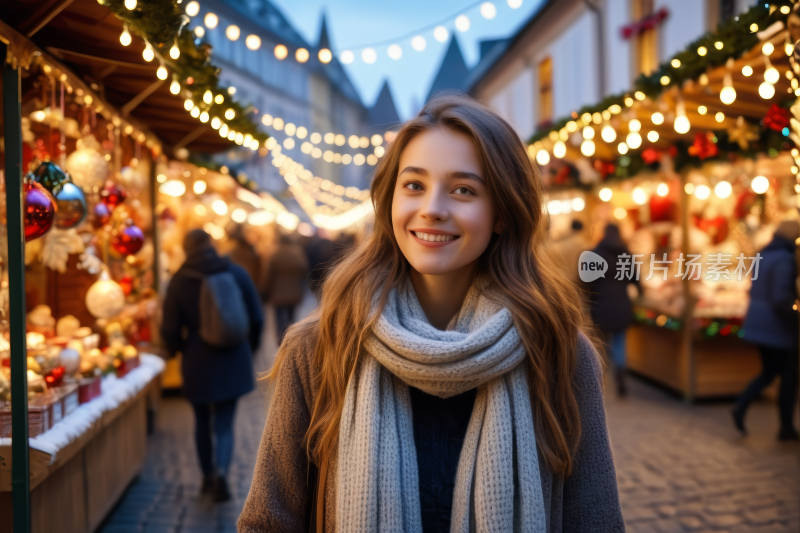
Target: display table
(723, 366)
(83, 464)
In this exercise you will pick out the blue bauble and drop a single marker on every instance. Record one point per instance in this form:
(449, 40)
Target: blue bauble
(71, 206)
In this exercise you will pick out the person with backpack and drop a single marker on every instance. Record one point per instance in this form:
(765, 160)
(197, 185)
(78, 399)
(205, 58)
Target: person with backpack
(212, 315)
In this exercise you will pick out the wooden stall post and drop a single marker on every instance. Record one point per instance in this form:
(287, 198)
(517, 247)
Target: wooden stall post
(20, 466)
(687, 352)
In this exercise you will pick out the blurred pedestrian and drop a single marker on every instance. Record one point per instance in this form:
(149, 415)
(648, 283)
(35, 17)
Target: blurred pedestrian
(286, 281)
(772, 325)
(212, 315)
(610, 304)
(243, 253)
(319, 251)
(570, 248)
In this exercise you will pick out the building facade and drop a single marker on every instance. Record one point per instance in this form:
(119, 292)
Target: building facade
(572, 53)
(317, 96)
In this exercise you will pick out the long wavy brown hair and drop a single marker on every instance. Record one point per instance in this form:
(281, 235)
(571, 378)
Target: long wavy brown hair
(517, 265)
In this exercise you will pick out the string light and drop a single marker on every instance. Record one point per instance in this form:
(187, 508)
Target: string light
(760, 184)
(747, 71)
(216, 123)
(162, 73)
(514, 4)
(771, 74)
(766, 90)
(657, 118)
(199, 31)
(208, 97)
(488, 10)
(230, 113)
(418, 43)
(682, 124)
(148, 54)
(219, 99)
(325, 55)
(188, 105)
(211, 21)
(606, 194)
(633, 140)
(662, 189)
(728, 94)
(369, 56)
(204, 117)
(233, 32)
(192, 8)
(395, 52)
(301, 55)
(130, 4)
(462, 23)
(231, 90)
(174, 87)
(622, 148)
(767, 48)
(608, 134)
(346, 57)
(125, 37)
(174, 52)
(441, 34)
(542, 157)
(719, 117)
(559, 149)
(587, 148)
(652, 136)
(253, 42)
(702, 110)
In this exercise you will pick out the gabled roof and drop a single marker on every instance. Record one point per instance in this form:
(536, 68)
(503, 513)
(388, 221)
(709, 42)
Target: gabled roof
(487, 45)
(383, 115)
(453, 72)
(334, 70)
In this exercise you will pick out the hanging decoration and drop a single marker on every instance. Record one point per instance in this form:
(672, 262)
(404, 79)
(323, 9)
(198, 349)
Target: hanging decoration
(777, 118)
(112, 195)
(71, 206)
(101, 215)
(743, 133)
(704, 145)
(50, 176)
(57, 247)
(647, 23)
(132, 179)
(105, 298)
(128, 240)
(86, 166)
(40, 209)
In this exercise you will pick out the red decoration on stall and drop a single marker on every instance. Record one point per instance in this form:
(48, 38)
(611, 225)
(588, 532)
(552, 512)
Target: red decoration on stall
(744, 202)
(39, 210)
(647, 23)
(716, 227)
(662, 209)
(54, 377)
(776, 118)
(703, 147)
(604, 168)
(650, 156)
(562, 175)
(102, 214)
(112, 195)
(127, 285)
(128, 241)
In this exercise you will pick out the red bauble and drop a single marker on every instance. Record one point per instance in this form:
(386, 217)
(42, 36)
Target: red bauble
(127, 285)
(112, 195)
(102, 214)
(39, 210)
(128, 240)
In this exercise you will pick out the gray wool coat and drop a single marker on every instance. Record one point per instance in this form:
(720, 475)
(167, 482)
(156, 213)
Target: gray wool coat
(280, 496)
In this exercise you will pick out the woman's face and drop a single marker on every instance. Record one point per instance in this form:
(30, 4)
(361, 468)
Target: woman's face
(442, 214)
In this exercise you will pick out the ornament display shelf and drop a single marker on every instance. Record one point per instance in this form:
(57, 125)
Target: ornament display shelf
(82, 465)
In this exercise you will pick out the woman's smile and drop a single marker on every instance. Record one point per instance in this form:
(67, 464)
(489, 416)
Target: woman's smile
(432, 238)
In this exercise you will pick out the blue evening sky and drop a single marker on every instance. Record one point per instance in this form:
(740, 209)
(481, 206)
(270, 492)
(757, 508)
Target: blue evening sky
(352, 23)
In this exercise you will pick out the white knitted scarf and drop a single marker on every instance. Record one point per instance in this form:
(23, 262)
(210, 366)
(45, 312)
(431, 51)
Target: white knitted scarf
(497, 487)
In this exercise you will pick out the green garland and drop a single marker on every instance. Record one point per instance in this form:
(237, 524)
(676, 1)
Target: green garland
(736, 37)
(159, 23)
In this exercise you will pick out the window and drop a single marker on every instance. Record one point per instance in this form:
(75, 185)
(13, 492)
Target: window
(546, 91)
(645, 47)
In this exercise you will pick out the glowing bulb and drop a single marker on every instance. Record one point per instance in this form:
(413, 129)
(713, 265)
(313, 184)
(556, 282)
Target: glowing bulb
(639, 196)
(702, 51)
(208, 97)
(347, 57)
(634, 126)
(229, 114)
(514, 4)
(199, 31)
(766, 90)
(608, 134)
(174, 52)
(216, 123)
(233, 32)
(682, 124)
(199, 187)
(219, 99)
(747, 70)
(219, 207)
(148, 53)
(441, 34)
(325, 56)
(488, 10)
(195, 112)
(657, 118)
(253, 42)
(559, 149)
(767, 49)
(130, 4)
(772, 75)
(192, 8)
(620, 213)
(723, 189)
(702, 192)
(281, 52)
(462, 23)
(634, 140)
(301, 55)
(702, 110)
(760, 185)
(587, 148)
(727, 95)
(622, 148)
(664, 80)
(675, 63)
(125, 37)
(369, 55)
(578, 204)
(689, 188)
(719, 117)
(162, 73)
(652, 136)
(588, 132)
(395, 51)
(211, 21)
(418, 43)
(239, 215)
(606, 194)
(188, 104)
(204, 117)
(662, 189)
(542, 157)
(174, 87)
(788, 47)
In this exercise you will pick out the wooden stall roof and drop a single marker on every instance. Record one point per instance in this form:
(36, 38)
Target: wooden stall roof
(84, 36)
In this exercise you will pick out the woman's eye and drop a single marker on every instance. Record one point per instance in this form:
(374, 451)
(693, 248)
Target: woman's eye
(463, 191)
(413, 186)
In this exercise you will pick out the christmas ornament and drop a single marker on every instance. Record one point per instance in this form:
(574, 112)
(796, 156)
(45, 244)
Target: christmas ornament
(128, 240)
(70, 359)
(132, 179)
(127, 285)
(54, 377)
(58, 245)
(651, 156)
(51, 177)
(112, 195)
(102, 214)
(776, 118)
(86, 165)
(704, 146)
(105, 298)
(742, 133)
(40, 210)
(71, 206)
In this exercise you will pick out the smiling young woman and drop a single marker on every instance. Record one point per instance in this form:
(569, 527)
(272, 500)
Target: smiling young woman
(445, 382)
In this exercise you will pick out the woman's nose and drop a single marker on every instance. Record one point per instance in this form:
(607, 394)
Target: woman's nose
(434, 206)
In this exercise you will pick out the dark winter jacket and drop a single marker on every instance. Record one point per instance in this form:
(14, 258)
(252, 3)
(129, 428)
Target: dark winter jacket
(609, 303)
(286, 275)
(209, 375)
(771, 321)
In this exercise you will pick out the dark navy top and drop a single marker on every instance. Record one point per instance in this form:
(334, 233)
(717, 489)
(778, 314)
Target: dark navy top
(439, 430)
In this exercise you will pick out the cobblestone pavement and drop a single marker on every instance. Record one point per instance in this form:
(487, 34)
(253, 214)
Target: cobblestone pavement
(681, 468)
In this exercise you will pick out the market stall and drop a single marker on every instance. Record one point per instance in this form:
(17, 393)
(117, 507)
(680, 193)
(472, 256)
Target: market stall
(697, 165)
(83, 148)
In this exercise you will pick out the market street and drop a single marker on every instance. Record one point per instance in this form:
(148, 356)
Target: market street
(680, 468)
